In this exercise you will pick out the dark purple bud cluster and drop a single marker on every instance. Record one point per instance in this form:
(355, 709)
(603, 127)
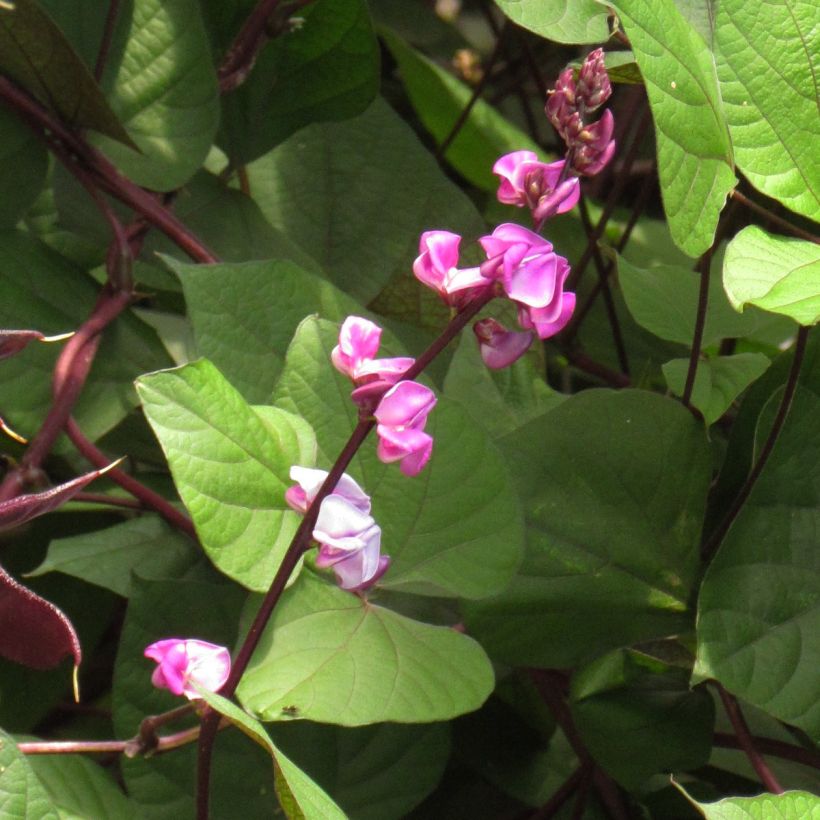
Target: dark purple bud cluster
(590, 144)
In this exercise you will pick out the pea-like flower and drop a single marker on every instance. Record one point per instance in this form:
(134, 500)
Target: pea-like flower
(354, 356)
(526, 182)
(183, 662)
(401, 416)
(498, 346)
(348, 537)
(437, 267)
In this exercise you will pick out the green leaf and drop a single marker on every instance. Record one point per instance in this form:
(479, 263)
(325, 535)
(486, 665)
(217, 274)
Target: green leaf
(695, 160)
(453, 530)
(638, 717)
(41, 290)
(664, 300)
(788, 806)
(245, 315)
(230, 467)
(22, 796)
(439, 98)
(759, 605)
(80, 788)
(767, 65)
(718, 381)
(164, 91)
(773, 273)
(356, 195)
(165, 785)
(614, 486)
(499, 400)
(326, 69)
(563, 21)
(297, 792)
(108, 557)
(377, 772)
(336, 658)
(37, 55)
(23, 168)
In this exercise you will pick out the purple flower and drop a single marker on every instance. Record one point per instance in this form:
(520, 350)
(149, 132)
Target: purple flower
(401, 416)
(436, 267)
(500, 347)
(183, 662)
(594, 146)
(593, 86)
(526, 182)
(349, 539)
(359, 341)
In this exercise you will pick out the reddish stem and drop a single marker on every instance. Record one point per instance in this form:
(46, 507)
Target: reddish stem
(776, 748)
(705, 268)
(775, 219)
(746, 743)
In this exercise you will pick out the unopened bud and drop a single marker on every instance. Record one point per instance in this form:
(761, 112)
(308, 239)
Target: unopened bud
(593, 87)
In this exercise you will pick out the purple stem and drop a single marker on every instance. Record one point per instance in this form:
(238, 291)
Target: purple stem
(776, 748)
(713, 542)
(705, 268)
(775, 219)
(107, 35)
(746, 743)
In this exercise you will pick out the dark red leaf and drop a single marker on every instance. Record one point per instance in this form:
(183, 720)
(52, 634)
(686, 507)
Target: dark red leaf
(32, 630)
(23, 508)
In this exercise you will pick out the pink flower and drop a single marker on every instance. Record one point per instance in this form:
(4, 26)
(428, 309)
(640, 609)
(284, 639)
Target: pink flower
(594, 146)
(550, 320)
(528, 266)
(500, 347)
(184, 662)
(526, 182)
(359, 341)
(436, 267)
(349, 539)
(401, 416)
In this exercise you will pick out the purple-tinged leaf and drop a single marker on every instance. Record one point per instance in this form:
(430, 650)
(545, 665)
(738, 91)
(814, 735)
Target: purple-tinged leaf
(23, 508)
(13, 341)
(33, 631)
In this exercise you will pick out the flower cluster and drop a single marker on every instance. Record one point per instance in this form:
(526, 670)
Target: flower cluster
(590, 144)
(349, 539)
(403, 406)
(183, 663)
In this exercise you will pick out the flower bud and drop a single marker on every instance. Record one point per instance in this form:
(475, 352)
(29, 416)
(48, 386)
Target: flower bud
(498, 346)
(593, 86)
(185, 662)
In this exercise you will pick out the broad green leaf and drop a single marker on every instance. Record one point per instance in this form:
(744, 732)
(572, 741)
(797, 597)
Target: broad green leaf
(42, 290)
(792, 805)
(453, 530)
(245, 315)
(614, 487)
(563, 21)
(107, 557)
(774, 273)
(163, 88)
(334, 657)
(297, 792)
(229, 222)
(695, 161)
(37, 55)
(664, 300)
(230, 467)
(22, 796)
(326, 69)
(759, 605)
(498, 400)
(638, 717)
(377, 772)
(80, 788)
(356, 195)
(718, 381)
(165, 785)
(23, 168)
(768, 60)
(439, 98)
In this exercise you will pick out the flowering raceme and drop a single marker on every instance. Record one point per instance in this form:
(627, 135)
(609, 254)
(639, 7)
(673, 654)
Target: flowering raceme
(349, 539)
(185, 662)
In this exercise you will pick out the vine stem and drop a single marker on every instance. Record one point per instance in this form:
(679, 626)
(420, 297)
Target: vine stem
(713, 542)
(705, 268)
(561, 794)
(107, 36)
(777, 220)
(745, 741)
(300, 543)
(775, 748)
